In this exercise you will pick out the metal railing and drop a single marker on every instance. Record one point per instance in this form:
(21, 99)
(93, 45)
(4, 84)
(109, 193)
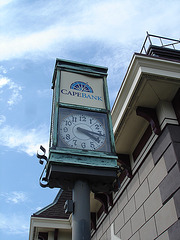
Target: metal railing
(159, 41)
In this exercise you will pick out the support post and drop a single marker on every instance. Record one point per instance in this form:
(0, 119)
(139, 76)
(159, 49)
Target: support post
(81, 215)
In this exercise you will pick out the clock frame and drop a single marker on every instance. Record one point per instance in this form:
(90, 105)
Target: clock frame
(85, 130)
(80, 150)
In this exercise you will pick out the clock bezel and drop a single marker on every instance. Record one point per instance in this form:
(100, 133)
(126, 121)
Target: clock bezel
(100, 117)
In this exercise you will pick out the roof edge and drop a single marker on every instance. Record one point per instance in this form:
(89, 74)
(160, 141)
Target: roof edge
(50, 205)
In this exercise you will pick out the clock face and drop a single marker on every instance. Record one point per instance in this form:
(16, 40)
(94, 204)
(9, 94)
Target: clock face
(83, 130)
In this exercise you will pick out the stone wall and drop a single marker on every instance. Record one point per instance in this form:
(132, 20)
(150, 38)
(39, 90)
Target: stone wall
(149, 206)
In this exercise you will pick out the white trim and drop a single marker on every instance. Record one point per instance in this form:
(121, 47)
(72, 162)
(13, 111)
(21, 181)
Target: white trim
(141, 64)
(47, 223)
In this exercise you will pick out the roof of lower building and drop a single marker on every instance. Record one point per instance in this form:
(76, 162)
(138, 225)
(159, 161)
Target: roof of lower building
(56, 208)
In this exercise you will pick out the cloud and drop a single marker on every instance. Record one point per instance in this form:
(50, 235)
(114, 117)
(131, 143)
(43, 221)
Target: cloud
(4, 2)
(3, 70)
(2, 119)
(38, 209)
(14, 224)
(14, 197)
(12, 95)
(27, 141)
(114, 22)
(97, 21)
(15, 96)
(26, 44)
(44, 92)
(4, 81)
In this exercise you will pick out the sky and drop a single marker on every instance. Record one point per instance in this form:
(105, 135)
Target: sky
(33, 33)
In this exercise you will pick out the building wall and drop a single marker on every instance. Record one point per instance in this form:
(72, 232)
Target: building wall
(149, 207)
(64, 235)
(55, 234)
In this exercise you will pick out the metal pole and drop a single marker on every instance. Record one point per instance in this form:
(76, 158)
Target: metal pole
(81, 215)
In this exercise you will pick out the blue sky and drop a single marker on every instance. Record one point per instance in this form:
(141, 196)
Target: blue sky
(33, 33)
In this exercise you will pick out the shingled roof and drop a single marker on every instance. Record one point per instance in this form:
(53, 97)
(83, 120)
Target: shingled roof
(56, 209)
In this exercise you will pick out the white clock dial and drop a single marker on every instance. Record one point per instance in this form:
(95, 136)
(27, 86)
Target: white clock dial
(82, 131)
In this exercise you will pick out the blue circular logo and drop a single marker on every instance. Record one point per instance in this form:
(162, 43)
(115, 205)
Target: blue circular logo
(81, 86)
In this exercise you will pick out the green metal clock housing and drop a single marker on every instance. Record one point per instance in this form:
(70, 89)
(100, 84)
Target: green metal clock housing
(81, 135)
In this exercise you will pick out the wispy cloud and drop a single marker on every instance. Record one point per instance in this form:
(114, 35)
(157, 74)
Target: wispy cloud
(44, 92)
(4, 81)
(11, 223)
(2, 119)
(14, 224)
(4, 2)
(3, 70)
(12, 94)
(15, 96)
(38, 208)
(14, 197)
(27, 141)
(112, 22)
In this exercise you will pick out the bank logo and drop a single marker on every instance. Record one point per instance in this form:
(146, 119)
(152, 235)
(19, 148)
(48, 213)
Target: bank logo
(81, 86)
(82, 90)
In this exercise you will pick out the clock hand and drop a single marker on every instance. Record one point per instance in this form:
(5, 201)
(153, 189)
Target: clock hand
(88, 131)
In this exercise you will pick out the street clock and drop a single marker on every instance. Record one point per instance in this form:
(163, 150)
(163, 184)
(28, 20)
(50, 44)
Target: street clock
(81, 135)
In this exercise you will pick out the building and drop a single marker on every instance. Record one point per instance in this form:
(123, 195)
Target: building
(52, 222)
(146, 125)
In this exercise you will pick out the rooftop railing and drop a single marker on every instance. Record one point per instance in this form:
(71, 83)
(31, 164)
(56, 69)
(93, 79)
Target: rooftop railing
(159, 41)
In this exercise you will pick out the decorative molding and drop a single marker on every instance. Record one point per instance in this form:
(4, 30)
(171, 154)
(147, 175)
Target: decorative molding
(102, 197)
(147, 134)
(110, 198)
(125, 165)
(176, 105)
(150, 115)
(163, 52)
(93, 220)
(50, 223)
